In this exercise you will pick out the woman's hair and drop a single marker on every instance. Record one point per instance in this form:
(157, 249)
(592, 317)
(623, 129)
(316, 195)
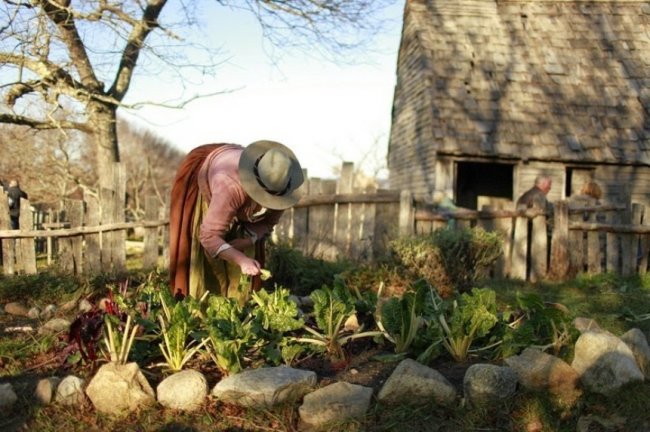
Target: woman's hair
(592, 189)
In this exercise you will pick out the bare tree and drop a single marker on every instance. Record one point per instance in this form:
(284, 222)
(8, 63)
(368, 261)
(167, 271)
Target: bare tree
(150, 162)
(80, 56)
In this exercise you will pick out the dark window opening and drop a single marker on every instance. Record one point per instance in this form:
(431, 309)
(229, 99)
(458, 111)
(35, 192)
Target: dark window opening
(480, 183)
(576, 178)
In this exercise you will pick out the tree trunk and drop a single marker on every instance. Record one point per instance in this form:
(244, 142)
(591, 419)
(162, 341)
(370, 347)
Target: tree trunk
(103, 119)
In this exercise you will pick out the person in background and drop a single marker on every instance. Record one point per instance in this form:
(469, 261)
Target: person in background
(445, 205)
(590, 194)
(535, 197)
(15, 193)
(225, 200)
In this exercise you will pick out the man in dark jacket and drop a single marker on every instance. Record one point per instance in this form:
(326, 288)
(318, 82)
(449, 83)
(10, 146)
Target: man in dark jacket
(535, 197)
(14, 193)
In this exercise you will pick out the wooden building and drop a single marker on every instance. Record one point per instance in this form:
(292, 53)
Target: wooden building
(491, 93)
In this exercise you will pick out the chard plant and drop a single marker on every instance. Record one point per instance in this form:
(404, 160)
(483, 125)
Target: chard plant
(463, 320)
(230, 333)
(537, 324)
(401, 318)
(331, 309)
(119, 343)
(179, 322)
(275, 316)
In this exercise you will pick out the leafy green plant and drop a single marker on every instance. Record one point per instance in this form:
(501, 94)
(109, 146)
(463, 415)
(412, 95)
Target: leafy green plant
(401, 318)
(230, 333)
(276, 316)
(463, 320)
(332, 307)
(179, 320)
(537, 324)
(451, 259)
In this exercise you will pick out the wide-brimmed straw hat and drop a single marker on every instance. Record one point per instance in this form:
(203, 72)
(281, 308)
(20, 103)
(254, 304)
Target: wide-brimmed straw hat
(271, 174)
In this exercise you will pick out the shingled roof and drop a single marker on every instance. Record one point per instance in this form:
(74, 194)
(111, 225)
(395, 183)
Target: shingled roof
(537, 80)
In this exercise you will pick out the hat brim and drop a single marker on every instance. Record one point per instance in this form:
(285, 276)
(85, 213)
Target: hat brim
(249, 182)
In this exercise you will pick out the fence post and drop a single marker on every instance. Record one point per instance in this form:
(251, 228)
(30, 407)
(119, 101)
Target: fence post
(93, 256)
(593, 248)
(644, 246)
(519, 257)
(150, 254)
(560, 259)
(538, 249)
(342, 227)
(406, 213)
(27, 246)
(119, 237)
(300, 223)
(630, 242)
(613, 244)
(8, 245)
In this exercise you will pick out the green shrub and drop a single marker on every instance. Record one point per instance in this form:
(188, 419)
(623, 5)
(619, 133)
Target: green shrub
(299, 273)
(451, 259)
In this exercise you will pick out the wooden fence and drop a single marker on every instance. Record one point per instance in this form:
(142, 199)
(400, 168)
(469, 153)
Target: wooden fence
(335, 220)
(85, 237)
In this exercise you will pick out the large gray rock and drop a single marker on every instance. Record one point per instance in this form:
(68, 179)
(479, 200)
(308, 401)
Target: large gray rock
(46, 389)
(414, 382)
(265, 387)
(486, 384)
(537, 370)
(119, 389)
(337, 402)
(638, 343)
(70, 391)
(7, 398)
(185, 390)
(604, 362)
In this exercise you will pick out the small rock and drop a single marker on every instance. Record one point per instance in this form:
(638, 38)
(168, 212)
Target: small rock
(16, 308)
(34, 313)
(55, 325)
(48, 312)
(486, 384)
(70, 391)
(351, 324)
(334, 403)
(638, 343)
(185, 390)
(7, 397)
(85, 306)
(120, 389)
(413, 381)
(69, 306)
(46, 389)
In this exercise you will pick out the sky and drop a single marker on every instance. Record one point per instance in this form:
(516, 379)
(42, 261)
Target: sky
(325, 111)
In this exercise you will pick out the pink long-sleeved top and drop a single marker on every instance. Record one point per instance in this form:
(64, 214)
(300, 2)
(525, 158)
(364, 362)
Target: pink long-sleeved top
(219, 182)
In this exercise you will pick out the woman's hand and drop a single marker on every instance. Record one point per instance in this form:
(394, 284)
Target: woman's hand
(249, 266)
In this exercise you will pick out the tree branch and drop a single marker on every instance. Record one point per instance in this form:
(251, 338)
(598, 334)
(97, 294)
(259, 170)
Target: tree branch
(58, 12)
(133, 47)
(39, 124)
